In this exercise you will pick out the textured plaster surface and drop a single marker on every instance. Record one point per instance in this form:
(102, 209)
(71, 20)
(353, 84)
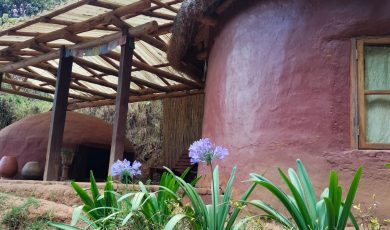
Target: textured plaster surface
(27, 139)
(278, 89)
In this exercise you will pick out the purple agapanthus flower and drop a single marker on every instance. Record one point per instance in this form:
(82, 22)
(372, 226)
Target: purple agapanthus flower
(125, 168)
(205, 151)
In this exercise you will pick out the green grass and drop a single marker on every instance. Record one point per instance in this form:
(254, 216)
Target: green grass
(17, 216)
(3, 197)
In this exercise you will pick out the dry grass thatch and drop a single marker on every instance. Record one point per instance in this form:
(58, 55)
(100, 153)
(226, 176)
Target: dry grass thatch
(182, 125)
(187, 27)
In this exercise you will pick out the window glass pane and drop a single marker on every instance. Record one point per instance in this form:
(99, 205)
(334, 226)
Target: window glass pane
(377, 66)
(378, 118)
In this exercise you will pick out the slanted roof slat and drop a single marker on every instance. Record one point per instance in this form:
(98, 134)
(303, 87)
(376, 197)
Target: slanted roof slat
(30, 49)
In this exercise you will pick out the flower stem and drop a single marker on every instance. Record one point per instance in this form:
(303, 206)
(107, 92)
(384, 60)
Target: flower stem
(213, 191)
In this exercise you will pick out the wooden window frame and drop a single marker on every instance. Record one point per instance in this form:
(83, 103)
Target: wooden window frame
(358, 119)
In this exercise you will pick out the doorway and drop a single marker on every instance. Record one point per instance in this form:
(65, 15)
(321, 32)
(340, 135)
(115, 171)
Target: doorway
(90, 158)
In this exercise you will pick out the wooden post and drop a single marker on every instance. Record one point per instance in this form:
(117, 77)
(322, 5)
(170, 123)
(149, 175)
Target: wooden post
(1, 79)
(122, 102)
(58, 115)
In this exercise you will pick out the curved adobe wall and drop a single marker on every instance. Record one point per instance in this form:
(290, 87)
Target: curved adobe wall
(278, 89)
(27, 138)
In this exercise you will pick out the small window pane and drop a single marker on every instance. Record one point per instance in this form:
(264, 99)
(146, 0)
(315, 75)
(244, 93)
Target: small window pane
(378, 118)
(377, 67)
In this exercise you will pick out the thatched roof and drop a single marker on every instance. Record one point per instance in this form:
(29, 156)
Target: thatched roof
(190, 32)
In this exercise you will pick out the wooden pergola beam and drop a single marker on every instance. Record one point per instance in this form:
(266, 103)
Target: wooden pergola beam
(157, 71)
(108, 5)
(165, 5)
(52, 81)
(114, 72)
(159, 15)
(42, 89)
(24, 94)
(135, 32)
(78, 76)
(133, 99)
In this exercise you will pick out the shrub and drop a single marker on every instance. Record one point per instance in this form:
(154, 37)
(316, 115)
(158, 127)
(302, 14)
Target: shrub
(141, 209)
(329, 212)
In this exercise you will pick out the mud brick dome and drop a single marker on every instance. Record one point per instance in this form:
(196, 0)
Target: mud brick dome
(27, 138)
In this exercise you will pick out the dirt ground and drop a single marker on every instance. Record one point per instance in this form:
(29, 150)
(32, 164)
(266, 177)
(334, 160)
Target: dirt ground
(57, 212)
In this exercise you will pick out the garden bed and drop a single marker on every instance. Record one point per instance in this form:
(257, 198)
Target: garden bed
(62, 192)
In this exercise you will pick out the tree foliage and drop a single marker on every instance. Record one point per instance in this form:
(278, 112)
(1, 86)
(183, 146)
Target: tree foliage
(22, 8)
(14, 107)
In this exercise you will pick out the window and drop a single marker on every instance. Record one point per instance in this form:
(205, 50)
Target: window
(373, 93)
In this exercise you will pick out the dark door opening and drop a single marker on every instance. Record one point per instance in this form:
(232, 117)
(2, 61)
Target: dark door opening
(89, 158)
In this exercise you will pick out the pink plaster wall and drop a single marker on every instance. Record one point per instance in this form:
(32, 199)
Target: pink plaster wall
(278, 89)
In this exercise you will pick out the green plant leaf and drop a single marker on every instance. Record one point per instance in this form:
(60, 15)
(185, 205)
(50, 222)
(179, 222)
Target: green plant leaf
(127, 218)
(282, 197)
(335, 194)
(387, 165)
(353, 221)
(237, 210)
(82, 194)
(76, 215)
(137, 201)
(299, 201)
(200, 209)
(225, 206)
(308, 188)
(273, 213)
(62, 226)
(330, 214)
(296, 182)
(349, 200)
(321, 214)
(173, 221)
(109, 194)
(214, 215)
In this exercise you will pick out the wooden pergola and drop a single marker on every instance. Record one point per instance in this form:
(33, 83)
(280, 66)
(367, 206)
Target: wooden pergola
(93, 53)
